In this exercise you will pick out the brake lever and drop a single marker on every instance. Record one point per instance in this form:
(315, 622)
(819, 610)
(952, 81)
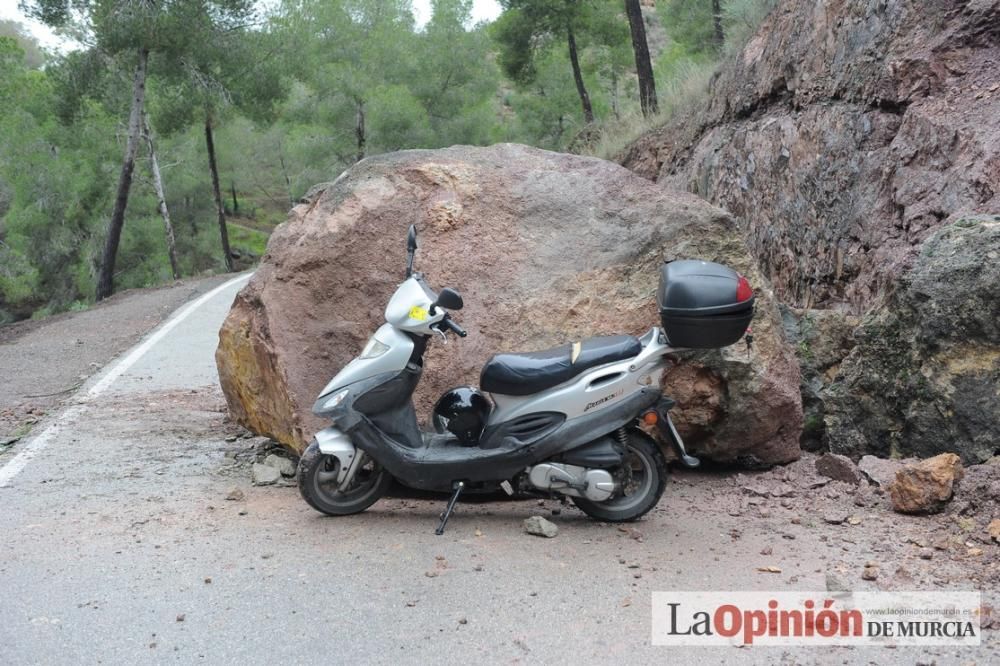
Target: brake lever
(444, 338)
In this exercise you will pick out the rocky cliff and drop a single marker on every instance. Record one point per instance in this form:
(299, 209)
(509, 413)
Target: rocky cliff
(844, 135)
(924, 376)
(545, 247)
(858, 144)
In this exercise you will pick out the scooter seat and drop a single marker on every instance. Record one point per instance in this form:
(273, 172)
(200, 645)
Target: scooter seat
(532, 372)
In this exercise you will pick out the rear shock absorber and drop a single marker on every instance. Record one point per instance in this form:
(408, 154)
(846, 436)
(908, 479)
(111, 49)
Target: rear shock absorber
(622, 436)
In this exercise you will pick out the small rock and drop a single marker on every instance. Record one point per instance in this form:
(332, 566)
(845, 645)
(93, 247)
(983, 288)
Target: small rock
(870, 573)
(926, 553)
(767, 550)
(236, 495)
(994, 529)
(264, 475)
(926, 486)
(540, 527)
(180, 617)
(838, 468)
(431, 574)
(880, 471)
(967, 524)
(769, 569)
(463, 620)
(285, 466)
(208, 581)
(834, 518)
(853, 520)
(974, 552)
(836, 584)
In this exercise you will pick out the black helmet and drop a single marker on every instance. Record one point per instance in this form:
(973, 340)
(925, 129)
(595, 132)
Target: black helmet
(463, 412)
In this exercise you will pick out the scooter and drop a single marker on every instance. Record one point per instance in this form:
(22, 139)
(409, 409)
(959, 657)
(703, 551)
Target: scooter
(565, 422)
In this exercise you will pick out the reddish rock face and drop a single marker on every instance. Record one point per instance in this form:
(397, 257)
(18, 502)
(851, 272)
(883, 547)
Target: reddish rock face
(843, 136)
(544, 247)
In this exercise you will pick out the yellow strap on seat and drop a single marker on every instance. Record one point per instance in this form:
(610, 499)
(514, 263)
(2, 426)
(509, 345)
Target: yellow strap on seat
(577, 346)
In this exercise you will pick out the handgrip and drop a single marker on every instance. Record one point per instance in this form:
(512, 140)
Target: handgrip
(450, 324)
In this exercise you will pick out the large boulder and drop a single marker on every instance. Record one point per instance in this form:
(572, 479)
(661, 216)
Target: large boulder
(923, 376)
(544, 247)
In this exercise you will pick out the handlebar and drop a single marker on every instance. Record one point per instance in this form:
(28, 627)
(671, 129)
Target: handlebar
(452, 326)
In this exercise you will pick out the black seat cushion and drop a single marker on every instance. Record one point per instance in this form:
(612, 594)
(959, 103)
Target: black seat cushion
(531, 372)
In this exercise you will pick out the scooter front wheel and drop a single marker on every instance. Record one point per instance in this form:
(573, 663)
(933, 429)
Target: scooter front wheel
(319, 488)
(643, 477)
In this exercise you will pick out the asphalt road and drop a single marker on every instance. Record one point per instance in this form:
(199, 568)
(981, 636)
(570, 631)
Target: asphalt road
(120, 547)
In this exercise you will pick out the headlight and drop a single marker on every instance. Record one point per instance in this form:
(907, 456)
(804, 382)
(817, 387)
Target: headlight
(374, 349)
(336, 399)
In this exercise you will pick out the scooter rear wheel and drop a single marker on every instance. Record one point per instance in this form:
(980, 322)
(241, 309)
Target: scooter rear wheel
(318, 484)
(644, 477)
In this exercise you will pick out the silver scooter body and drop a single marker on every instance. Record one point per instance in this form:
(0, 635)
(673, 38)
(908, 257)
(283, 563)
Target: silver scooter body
(613, 389)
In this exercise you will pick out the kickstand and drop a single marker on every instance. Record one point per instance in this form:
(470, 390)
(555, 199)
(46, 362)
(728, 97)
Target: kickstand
(459, 486)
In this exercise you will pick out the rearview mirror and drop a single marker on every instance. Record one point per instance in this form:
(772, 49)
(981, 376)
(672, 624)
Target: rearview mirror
(411, 248)
(449, 299)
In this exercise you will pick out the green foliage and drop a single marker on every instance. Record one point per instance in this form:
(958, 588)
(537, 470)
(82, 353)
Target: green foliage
(247, 240)
(34, 55)
(295, 97)
(689, 24)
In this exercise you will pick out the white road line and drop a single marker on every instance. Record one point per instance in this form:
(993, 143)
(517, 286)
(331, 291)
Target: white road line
(35, 446)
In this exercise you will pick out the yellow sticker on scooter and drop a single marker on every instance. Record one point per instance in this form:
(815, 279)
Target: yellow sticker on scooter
(418, 313)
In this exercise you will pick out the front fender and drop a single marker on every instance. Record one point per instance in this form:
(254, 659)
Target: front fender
(333, 442)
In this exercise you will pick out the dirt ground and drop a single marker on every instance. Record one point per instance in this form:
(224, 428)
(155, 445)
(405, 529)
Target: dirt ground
(42, 362)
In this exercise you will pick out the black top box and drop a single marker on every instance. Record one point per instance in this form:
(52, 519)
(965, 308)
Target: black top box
(703, 305)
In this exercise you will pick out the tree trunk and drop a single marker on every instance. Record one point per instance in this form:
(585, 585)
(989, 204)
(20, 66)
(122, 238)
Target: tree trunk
(720, 36)
(614, 93)
(288, 181)
(643, 64)
(105, 280)
(359, 131)
(161, 199)
(236, 204)
(217, 193)
(581, 89)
